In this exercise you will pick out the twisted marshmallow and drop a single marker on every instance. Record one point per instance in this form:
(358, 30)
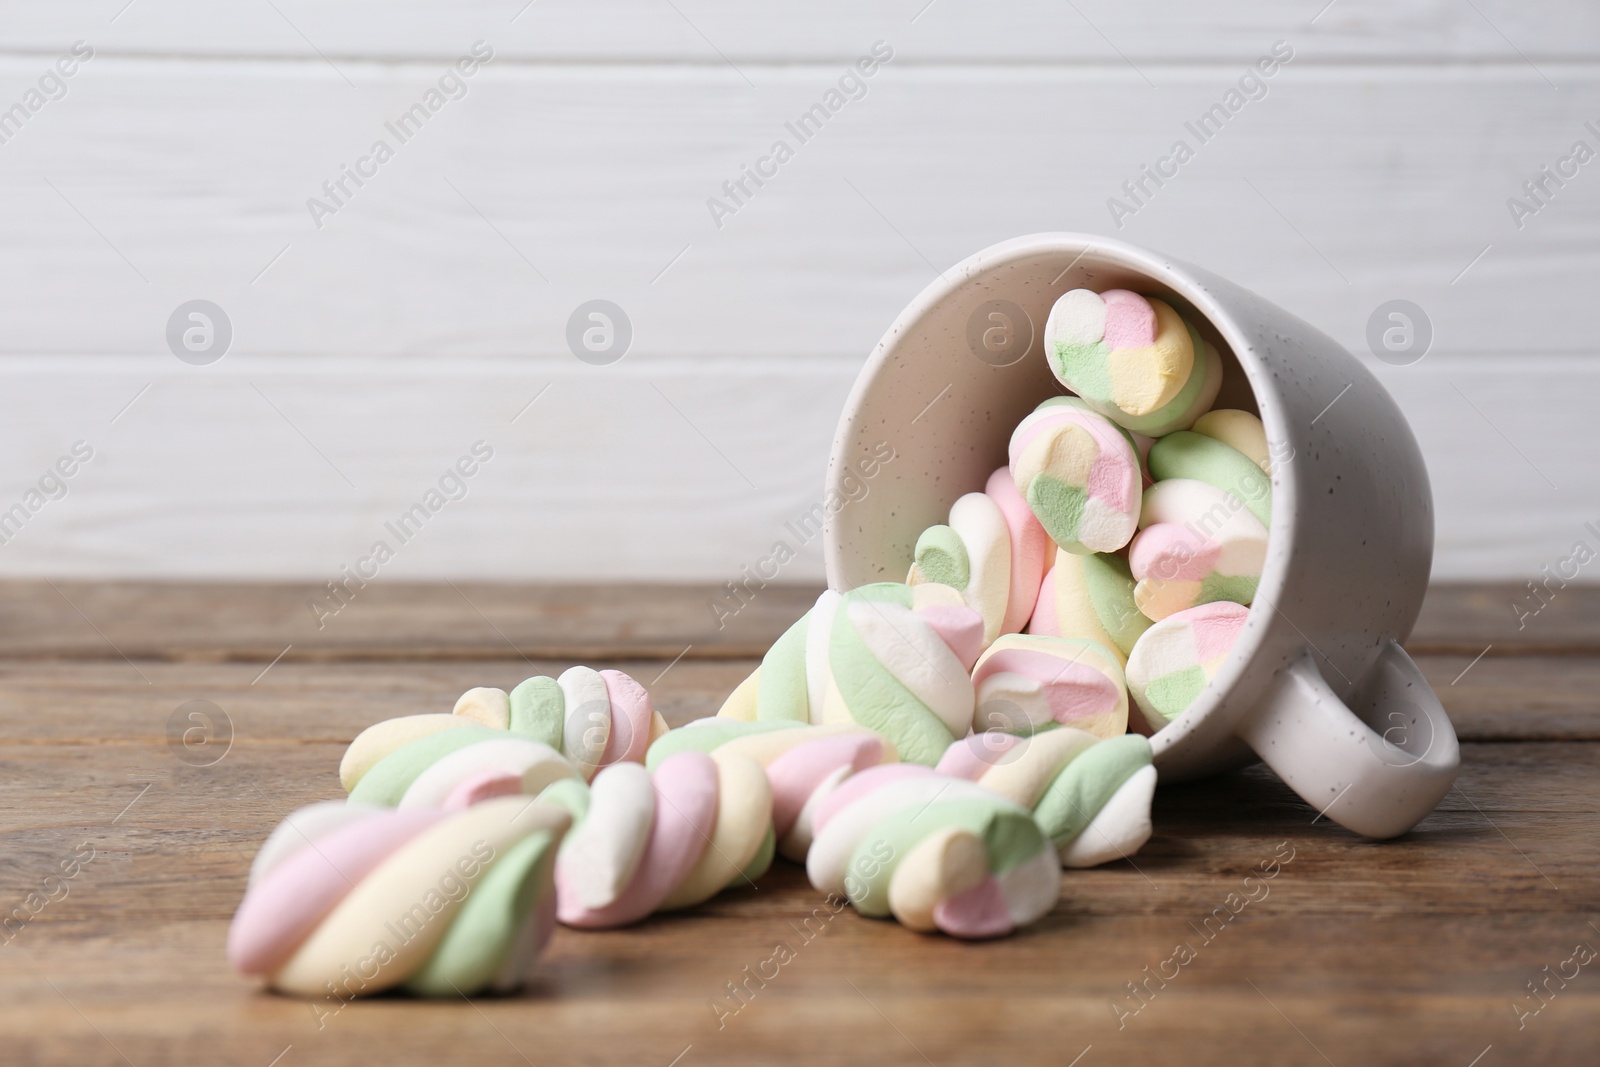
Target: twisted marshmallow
(661, 839)
(894, 658)
(1177, 657)
(1090, 796)
(1197, 544)
(1240, 430)
(347, 899)
(803, 764)
(1027, 683)
(993, 551)
(1133, 359)
(935, 851)
(1092, 598)
(1080, 474)
(1187, 454)
(544, 729)
(1203, 531)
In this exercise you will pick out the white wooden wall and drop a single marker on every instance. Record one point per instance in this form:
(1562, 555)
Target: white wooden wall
(369, 354)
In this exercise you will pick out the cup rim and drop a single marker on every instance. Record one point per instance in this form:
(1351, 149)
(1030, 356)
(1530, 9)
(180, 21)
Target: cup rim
(1175, 276)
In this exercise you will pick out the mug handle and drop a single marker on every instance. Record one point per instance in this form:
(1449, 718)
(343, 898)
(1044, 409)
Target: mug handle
(1379, 785)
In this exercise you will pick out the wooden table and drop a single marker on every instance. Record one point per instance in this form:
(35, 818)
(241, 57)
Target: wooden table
(1416, 951)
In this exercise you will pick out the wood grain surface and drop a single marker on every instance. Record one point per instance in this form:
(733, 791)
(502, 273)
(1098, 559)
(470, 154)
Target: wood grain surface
(1416, 951)
(255, 621)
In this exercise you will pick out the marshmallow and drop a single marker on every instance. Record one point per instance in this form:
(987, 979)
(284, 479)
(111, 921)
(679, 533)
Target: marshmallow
(934, 851)
(1239, 430)
(661, 839)
(902, 671)
(543, 729)
(803, 764)
(1090, 597)
(780, 689)
(993, 551)
(1029, 683)
(1198, 545)
(595, 718)
(1175, 659)
(1080, 473)
(1090, 796)
(894, 658)
(348, 899)
(1133, 359)
(803, 777)
(1186, 454)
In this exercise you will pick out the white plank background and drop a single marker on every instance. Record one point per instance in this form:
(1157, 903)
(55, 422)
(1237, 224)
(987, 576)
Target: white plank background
(424, 316)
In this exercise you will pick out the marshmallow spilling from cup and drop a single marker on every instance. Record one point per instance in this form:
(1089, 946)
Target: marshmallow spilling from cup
(1126, 522)
(1139, 471)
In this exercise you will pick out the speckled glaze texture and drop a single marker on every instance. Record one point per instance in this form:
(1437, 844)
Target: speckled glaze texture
(1317, 685)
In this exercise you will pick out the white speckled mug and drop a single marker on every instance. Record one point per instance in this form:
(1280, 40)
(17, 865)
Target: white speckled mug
(1317, 685)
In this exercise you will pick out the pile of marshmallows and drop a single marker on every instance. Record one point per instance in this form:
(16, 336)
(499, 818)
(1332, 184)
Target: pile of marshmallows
(1157, 507)
(935, 751)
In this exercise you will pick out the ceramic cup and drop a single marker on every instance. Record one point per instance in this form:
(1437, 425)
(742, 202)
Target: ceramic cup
(1317, 685)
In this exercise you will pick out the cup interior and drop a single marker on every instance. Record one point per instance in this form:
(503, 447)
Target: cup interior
(945, 397)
